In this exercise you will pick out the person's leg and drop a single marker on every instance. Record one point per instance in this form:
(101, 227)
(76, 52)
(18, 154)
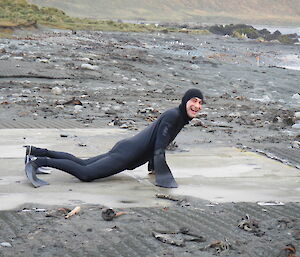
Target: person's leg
(43, 152)
(104, 167)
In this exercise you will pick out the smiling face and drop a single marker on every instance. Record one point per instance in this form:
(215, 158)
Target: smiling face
(193, 106)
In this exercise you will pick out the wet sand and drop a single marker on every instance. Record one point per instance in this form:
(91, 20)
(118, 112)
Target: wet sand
(43, 231)
(125, 80)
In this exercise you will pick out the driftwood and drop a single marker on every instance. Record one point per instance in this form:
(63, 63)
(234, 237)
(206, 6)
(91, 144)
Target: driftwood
(75, 211)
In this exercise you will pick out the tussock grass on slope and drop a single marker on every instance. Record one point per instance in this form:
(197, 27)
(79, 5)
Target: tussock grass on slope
(18, 13)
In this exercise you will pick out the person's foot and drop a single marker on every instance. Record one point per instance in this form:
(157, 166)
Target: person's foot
(28, 153)
(29, 156)
(31, 171)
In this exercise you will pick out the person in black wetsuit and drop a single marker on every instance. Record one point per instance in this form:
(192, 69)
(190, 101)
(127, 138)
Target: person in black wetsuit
(147, 146)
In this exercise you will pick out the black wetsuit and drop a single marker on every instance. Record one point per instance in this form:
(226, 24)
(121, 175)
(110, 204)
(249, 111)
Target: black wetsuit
(147, 146)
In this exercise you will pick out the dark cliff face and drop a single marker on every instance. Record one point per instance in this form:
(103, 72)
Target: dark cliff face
(214, 11)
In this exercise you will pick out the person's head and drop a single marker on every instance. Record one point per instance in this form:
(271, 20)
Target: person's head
(191, 103)
(193, 106)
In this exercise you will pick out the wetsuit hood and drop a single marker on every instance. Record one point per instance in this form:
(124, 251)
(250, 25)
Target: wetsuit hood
(187, 96)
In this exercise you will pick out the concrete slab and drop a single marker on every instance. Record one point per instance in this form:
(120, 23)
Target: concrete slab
(217, 174)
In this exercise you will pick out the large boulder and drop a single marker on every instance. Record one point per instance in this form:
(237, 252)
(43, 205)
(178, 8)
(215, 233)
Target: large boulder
(247, 31)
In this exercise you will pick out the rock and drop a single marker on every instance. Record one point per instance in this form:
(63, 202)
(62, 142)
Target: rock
(128, 124)
(78, 108)
(196, 123)
(297, 115)
(39, 210)
(168, 90)
(105, 109)
(115, 122)
(277, 120)
(234, 115)
(287, 120)
(88, 66)
(43, 60)
(117, 108)
(296, 96)
(296, 126)
(202, 114)
(109, 111)
(5, 244)
(264, 99)
(56, 91)
(247, 31)
(288, 39)
(84, 59)
(151, 83)
(18, 58)
(124, 126)
(194, 66)
(231, 29)
(148, 110)
(60, 106)
(5, 57)
(172, 146)
(120, 102)
(29, 82)
(108, 214)
(296, 144)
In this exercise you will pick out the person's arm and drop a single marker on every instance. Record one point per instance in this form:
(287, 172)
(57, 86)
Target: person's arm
(163, 174)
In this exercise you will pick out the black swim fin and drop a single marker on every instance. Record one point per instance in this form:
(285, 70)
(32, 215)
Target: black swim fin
(165, 179)
(30, 171)
(163, 174)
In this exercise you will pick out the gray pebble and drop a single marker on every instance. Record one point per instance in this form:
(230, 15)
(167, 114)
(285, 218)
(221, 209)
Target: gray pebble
(296, 126)
(5, 244)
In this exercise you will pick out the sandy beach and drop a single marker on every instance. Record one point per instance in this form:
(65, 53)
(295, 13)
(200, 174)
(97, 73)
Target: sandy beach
(127, 79)
(59, 79)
